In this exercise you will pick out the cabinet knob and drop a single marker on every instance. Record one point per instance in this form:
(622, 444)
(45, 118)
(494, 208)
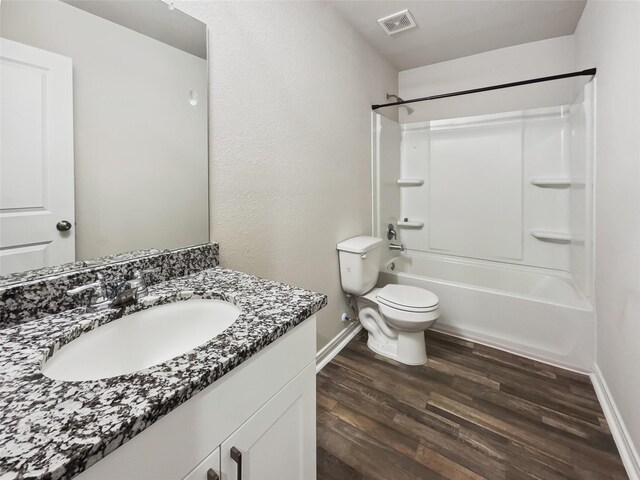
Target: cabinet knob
(212, 475)
(236, 456)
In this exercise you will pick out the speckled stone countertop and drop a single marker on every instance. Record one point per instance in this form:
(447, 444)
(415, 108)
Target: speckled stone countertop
(52, 429)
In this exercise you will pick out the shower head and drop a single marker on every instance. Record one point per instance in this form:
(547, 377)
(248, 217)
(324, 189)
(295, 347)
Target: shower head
(398, 99)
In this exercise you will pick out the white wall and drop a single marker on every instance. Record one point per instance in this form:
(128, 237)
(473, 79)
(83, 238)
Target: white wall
(290, 135)
(140, 146)
(608, 37)
(521, 62)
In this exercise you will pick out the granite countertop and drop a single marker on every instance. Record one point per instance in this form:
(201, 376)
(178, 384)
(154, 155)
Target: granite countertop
(53, 429)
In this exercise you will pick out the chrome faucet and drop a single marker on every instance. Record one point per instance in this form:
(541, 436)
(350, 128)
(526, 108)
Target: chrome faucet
(395, 246)
(99, 299)
(128, 292)
(391, 232)
(138, 282)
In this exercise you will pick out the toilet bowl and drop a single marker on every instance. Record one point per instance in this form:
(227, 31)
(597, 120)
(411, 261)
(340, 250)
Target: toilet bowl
(397, 331)
(395, 316)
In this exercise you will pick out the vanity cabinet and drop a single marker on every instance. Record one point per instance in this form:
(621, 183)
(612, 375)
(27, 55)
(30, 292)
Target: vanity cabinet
(276, 443)
(257, 420)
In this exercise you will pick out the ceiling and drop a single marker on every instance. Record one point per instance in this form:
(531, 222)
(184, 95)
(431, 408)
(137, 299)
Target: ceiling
(154, 19)
(449, 29)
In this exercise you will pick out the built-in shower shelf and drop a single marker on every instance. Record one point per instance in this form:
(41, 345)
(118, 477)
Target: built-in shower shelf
(554, 237)
(552, 182)
(406, 223)
(410, 182)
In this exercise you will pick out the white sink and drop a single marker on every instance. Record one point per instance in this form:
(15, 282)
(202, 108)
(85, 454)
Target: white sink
(141, 340)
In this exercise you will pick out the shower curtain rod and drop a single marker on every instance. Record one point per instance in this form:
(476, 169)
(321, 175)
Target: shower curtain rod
(589, 71)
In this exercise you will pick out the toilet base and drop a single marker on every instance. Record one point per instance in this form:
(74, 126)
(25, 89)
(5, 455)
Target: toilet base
(408, 348)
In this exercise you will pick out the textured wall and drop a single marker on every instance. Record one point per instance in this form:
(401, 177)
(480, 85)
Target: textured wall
(510, 64)
(608, 38)
(290, 140)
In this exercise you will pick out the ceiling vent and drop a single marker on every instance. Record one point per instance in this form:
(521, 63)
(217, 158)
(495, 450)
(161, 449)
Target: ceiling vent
(398, 22)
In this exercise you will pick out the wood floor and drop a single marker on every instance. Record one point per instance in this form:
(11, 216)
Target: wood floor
(472, 412)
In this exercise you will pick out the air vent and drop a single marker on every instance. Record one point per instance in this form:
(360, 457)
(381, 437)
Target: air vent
(398, 22)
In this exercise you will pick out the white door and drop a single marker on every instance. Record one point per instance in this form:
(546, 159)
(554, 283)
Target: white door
(36, 158)
(278, 442)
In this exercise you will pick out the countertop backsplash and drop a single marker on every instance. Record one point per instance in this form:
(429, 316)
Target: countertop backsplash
(38, 296)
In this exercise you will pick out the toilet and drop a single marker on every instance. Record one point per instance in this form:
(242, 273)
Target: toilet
(395, 316)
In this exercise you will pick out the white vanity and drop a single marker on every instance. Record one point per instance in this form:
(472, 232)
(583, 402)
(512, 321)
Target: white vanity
(211, 375)
(263, 409)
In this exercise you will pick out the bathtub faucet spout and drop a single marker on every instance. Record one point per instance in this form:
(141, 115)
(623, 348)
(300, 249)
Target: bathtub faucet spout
(393, 246)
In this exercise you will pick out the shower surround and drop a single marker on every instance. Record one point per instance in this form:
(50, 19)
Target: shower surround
(495, 212)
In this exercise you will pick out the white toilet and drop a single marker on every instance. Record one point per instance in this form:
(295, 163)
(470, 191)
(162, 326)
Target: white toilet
(395, 316)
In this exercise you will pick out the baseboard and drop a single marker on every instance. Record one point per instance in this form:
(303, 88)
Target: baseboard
(337, 343)
(628, 452)
(489, 342)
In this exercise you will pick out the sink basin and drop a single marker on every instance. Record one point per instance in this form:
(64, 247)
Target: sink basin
(141, 340)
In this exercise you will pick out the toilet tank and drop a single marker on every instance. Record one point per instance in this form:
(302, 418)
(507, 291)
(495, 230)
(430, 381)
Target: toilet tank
(359, 263)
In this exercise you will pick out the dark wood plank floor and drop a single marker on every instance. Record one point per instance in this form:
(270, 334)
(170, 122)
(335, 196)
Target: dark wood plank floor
(471, 412)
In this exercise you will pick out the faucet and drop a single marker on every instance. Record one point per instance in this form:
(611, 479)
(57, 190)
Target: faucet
(99, 299)
(391, 232)
(138, 282)
(395, 246)
(129, 292)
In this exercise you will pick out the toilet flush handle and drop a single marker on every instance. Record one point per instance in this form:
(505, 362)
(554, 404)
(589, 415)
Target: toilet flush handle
(363, 256)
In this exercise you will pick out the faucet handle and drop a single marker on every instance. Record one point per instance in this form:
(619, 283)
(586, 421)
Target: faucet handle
(137, 277)
(100, 296)
(138, 282)
(391, 232)
(99, 287)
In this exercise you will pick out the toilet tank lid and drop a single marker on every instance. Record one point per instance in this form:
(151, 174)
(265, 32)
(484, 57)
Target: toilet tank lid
(360, 244)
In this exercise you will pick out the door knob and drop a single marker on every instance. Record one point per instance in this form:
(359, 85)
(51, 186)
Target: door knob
(63, 225)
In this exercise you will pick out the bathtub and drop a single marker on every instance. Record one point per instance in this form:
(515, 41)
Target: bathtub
(528, 311)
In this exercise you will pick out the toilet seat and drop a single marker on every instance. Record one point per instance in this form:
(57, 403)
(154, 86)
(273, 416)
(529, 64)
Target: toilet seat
(407, 298)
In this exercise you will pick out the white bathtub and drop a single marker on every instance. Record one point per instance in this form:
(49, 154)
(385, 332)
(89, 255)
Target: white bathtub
(524, 310)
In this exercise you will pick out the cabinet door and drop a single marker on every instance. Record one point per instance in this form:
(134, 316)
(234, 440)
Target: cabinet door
(278, 442)
(209, 469)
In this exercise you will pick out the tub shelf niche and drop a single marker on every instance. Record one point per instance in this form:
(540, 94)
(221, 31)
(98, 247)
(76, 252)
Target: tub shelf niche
(555, 182)
(410, 182)
(406, 223)
(553, 237)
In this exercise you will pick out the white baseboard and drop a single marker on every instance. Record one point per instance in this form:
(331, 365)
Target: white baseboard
(337, 343)
(627, 450)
